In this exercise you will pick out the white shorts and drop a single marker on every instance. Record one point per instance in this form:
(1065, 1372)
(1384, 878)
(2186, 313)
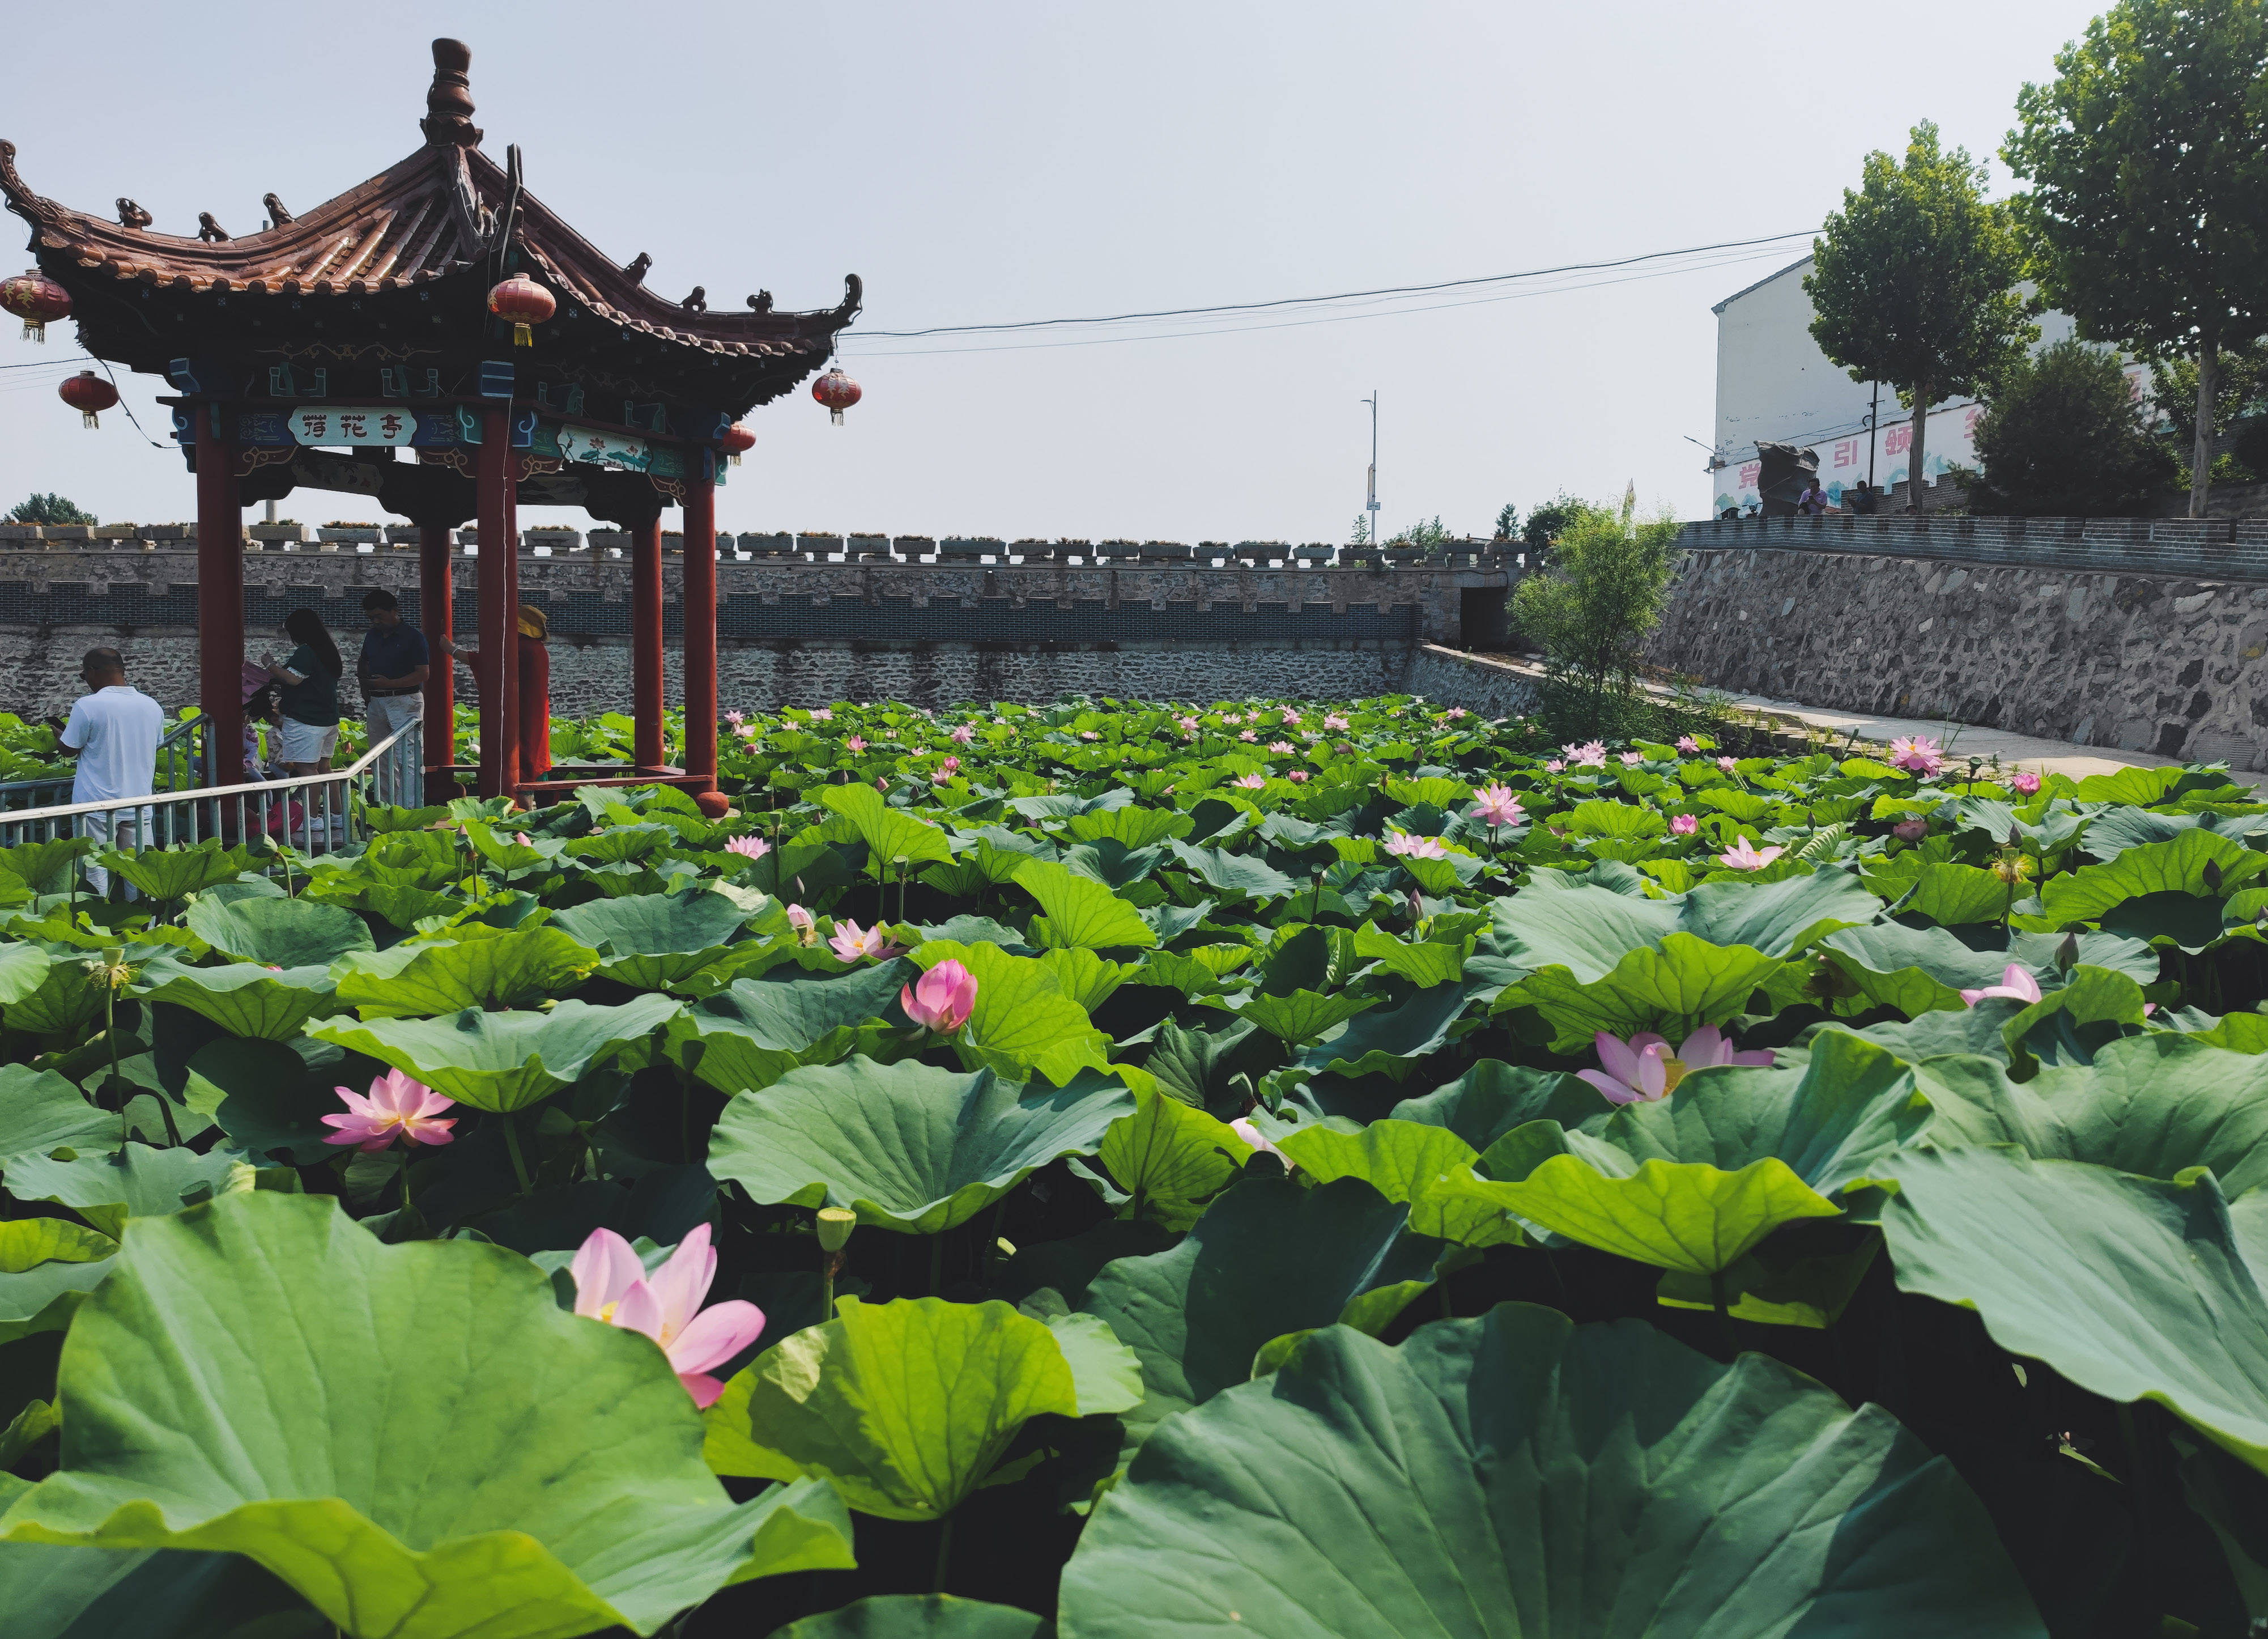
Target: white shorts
(389, 712)
(307, 742)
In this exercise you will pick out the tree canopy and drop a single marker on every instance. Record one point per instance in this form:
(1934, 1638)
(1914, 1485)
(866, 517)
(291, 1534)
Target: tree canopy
(2064, 435)
(48, 509)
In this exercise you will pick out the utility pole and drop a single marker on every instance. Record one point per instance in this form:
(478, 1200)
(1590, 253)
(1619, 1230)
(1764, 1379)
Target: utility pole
(1873, 414)
(1370, 505)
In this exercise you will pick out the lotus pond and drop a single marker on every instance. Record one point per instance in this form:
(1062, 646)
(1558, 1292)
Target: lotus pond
(1281, 1169)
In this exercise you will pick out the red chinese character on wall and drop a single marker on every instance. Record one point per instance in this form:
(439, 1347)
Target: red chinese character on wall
(1897, 440)
(1847, 453)
(1749, 469)
(1970, 422)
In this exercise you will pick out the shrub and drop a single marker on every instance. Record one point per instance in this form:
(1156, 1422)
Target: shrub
(1590, 611)
(43, 509)
(2062, 436)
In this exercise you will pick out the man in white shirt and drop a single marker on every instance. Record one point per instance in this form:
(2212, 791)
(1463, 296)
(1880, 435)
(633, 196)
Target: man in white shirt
(113, 732)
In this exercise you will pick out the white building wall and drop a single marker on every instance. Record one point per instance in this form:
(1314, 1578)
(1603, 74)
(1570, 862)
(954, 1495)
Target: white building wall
(1773, 383)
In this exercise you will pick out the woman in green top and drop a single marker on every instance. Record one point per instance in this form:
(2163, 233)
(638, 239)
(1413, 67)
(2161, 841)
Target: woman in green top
(309, 697)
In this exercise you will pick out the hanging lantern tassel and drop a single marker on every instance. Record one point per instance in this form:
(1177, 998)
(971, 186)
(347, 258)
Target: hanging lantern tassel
(88, 393)
(838, 392)
(523, 301)
(35, 298)
(738, 438)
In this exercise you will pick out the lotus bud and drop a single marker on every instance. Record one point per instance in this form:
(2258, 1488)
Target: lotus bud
(2066, 956)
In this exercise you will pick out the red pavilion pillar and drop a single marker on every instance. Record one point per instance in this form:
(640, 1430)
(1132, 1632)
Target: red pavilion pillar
(701, 627)
(650, 747)
(437, 614)
(498, 638)
(220, 601)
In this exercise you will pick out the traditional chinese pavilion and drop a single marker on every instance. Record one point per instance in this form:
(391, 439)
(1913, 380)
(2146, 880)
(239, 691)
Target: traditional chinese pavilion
(354, 347)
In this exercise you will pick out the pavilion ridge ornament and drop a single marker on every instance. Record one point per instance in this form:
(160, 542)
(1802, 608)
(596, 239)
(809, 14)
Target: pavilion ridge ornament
(88, 393)
(522, 300)
(738, 440)
(35, 298)
(838, 392)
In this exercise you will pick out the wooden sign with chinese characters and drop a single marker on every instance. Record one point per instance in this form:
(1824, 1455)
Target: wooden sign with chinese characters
(336, 426)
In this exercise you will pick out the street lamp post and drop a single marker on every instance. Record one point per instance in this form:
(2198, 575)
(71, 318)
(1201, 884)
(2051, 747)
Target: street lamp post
(1370, 505)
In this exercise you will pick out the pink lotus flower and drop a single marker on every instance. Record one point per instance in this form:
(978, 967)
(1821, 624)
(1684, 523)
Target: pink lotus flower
(2016, 984)
(1298, 776)
(1088, 733)
(1409, 848)
(1689, 745)
(850, 943)
(942, 999)
(1643, 1070)
(1684, 824)
(735, 717)
(804, 925)
(1727, 765)
(520, 837)
(1280, 747)
(962, 734)
(951, 765)
(611, 1285)
(1632, 759)
(1497, 805)
(889, 733)
(1249, 736)
(1590, 754)
(1291, 717)
(2025, 782)
(1187, 725)
(1455, 714)
(1912, 829)
(1251, 782)
(1917, 754)
(1555, 767)
(397, 1106)
(824, 714)
(1744, 856)
(1231, 718)
(856, 742)
(1261, 1142)
(747, 732)
(754, 847)
(1333, 723)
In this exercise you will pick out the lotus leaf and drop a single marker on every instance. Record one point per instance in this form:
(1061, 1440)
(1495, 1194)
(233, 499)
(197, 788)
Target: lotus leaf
(1022, 1023)
(41, 1111)
(650, 941)
(478, 967)
(2176, 866)
(889, 833)
(918, 1616)
(755, 1031)
(503, 1062)
(1675, 987)
(1080, 911)
(243, 998)
(1170, 1158)
(277, 932)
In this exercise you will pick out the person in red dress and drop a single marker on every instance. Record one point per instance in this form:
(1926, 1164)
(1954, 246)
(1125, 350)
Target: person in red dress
(535, 662)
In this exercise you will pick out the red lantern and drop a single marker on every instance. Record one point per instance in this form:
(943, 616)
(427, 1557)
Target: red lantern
(838, 392)
(522, 300)
(738, 440)
(35, 298)
(88, 392)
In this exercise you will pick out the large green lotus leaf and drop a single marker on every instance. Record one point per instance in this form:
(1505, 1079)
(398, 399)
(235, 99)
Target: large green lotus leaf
(44, 1297)
(906, 1407)
(40, 1111)
(2132, 1288)
(2176, 866)
(503, 1062)
(27, 1243)
(1268, 1257)
(1952, 895)
(136, 1181)
(2156, 1104)
(1829, 1119)
(755, 1031)
(1494, 1097)
(1234, 873)
(279, 932)
(554, 1490)
(1583, 929)
(172, 873)
(1424, 964)
(1602, 818)
(478, 967)
(652, 940)
(1132, 827)
(889, 833)
(267, 1098)
(908, 1146)
(243, 998)
(1021, 1023)
(2114, 830)
(1675, 987)
(1087, 978)
(66, 1001)
(1082, 912)
(1915, 969)
(1170, 1158)
(1519, 1475)
(2092, 996)
(51, 1592)
(1303, 1015)
(1781, 918)
(44, 866)
(1394, 1042)
(23, 970)
(920, 1616)
(2049, 834)
(1688, 1216)
(1408, 1162)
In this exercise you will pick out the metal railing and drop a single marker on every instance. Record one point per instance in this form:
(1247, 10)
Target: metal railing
(180, 754)
(314, 813)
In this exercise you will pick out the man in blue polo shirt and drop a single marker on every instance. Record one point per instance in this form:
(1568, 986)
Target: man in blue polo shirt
(392, 670)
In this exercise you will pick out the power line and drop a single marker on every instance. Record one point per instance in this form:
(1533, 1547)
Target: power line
(1393, 289)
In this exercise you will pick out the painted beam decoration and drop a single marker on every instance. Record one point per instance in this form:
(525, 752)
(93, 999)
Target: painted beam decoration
(590, 446)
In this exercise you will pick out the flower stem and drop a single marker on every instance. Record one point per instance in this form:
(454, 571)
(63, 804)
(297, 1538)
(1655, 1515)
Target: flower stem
(518, 1161)
(944, 1552)
(1724, 1313)
(936, 1263)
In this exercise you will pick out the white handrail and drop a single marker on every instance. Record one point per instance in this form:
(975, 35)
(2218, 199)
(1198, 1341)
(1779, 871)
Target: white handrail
(207, 793)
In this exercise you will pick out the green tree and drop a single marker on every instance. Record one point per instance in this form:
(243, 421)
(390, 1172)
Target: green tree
(2063, 435)
(1603, 592)
(48, 509)
(2148, 217)
(1423, 533)
(1554, 518)
(1913, 282)
(2239, 383)
(1507, 521)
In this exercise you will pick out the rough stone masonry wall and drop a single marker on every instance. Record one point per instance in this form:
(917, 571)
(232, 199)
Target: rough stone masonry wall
(790, 633)
(2159, 663)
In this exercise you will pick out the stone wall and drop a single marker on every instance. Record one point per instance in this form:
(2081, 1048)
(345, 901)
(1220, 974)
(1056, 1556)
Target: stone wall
(790, 632)
(2162, 662)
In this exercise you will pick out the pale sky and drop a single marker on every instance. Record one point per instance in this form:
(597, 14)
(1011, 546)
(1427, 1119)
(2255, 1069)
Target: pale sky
(986, 162)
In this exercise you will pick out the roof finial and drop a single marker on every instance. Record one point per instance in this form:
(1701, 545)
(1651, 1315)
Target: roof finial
(448, 119)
